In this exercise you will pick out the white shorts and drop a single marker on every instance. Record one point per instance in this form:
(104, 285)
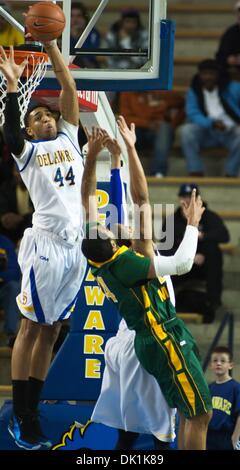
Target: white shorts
(130, 397)
(52, 273)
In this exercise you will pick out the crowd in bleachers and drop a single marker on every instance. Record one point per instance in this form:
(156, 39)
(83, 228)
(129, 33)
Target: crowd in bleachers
(212, 102)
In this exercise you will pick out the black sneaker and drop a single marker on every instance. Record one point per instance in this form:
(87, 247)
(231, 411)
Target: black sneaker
(19, 428)
(37, 430)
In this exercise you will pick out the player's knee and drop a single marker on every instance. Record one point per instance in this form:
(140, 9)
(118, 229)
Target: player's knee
(203, 420)
(208, 416)
(28, 331)
(49, 334)
(189, 131)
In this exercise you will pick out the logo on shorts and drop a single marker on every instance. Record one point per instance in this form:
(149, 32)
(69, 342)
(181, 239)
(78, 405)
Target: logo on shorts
(43, 258)
(24, 298)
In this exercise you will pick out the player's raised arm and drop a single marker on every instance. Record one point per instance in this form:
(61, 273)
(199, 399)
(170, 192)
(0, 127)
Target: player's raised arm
(181, 262)
(139, 191)
(12, 128)
(68, 98)
(89, 180)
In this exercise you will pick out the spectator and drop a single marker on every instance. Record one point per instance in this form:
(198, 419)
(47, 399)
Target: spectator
(224, 427)
(127, 34)
(79, 21)
(9, 287)
(213, 113)
(5, 160)
(208, 263)
(15, 207)
(9, 36)
(228, 54)
(156, 115)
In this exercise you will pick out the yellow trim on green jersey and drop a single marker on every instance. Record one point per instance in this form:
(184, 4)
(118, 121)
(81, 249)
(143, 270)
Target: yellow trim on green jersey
(186, 368)
(117, 253)
(174, 356)
(188, 390)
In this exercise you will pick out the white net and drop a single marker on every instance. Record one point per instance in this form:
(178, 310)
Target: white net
(34, 73)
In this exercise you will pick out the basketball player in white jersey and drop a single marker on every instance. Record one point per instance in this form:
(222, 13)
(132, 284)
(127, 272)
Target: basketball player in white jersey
(52, 265)
(130, 399)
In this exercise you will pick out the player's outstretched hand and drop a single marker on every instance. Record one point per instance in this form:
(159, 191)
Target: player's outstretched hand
(8, 66)
(95, 141)
(194, 211)
(112, 145)
(128, 134)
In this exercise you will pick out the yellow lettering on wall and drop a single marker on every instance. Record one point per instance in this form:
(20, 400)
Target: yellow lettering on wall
(102, 218)
(102, 198)
(94, 320)
(90, 277)
(93, 344)
(163, 294)
(92, 369)
(94, 295)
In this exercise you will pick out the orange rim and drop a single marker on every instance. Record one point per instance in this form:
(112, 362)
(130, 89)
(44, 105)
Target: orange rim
(34, 58)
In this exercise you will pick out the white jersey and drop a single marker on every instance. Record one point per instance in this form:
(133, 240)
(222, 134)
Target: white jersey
(52, 172)
(170, 289)
(131, 398)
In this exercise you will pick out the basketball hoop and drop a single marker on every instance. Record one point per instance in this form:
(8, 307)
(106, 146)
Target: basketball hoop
(27, 83)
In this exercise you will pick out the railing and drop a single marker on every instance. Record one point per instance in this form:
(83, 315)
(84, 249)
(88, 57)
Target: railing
(227, 321)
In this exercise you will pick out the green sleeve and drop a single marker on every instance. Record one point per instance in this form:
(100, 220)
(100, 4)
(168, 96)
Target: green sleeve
(132, 268)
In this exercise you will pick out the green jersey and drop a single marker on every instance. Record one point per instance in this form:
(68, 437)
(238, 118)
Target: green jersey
(163, 345)
(139, 301)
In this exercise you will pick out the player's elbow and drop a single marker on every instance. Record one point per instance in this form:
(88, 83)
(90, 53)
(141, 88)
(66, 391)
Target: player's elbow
(184, 266)
(139, 197)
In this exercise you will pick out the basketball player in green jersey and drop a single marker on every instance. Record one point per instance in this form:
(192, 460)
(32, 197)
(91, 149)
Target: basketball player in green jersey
(131, 278)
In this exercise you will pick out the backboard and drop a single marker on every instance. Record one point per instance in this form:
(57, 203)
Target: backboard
(113, 62)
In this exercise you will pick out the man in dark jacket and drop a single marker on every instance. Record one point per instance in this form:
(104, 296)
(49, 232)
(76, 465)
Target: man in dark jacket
(228, 54)
(15, 207)
(208, 263)
(213, 114)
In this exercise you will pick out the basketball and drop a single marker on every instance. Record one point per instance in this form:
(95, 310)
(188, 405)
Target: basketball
(45, 21)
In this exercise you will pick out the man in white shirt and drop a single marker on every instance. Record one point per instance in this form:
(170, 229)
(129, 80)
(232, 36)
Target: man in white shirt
(213, 114)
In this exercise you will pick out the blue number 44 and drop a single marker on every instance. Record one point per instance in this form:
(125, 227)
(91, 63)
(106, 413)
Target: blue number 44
(69, 177)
